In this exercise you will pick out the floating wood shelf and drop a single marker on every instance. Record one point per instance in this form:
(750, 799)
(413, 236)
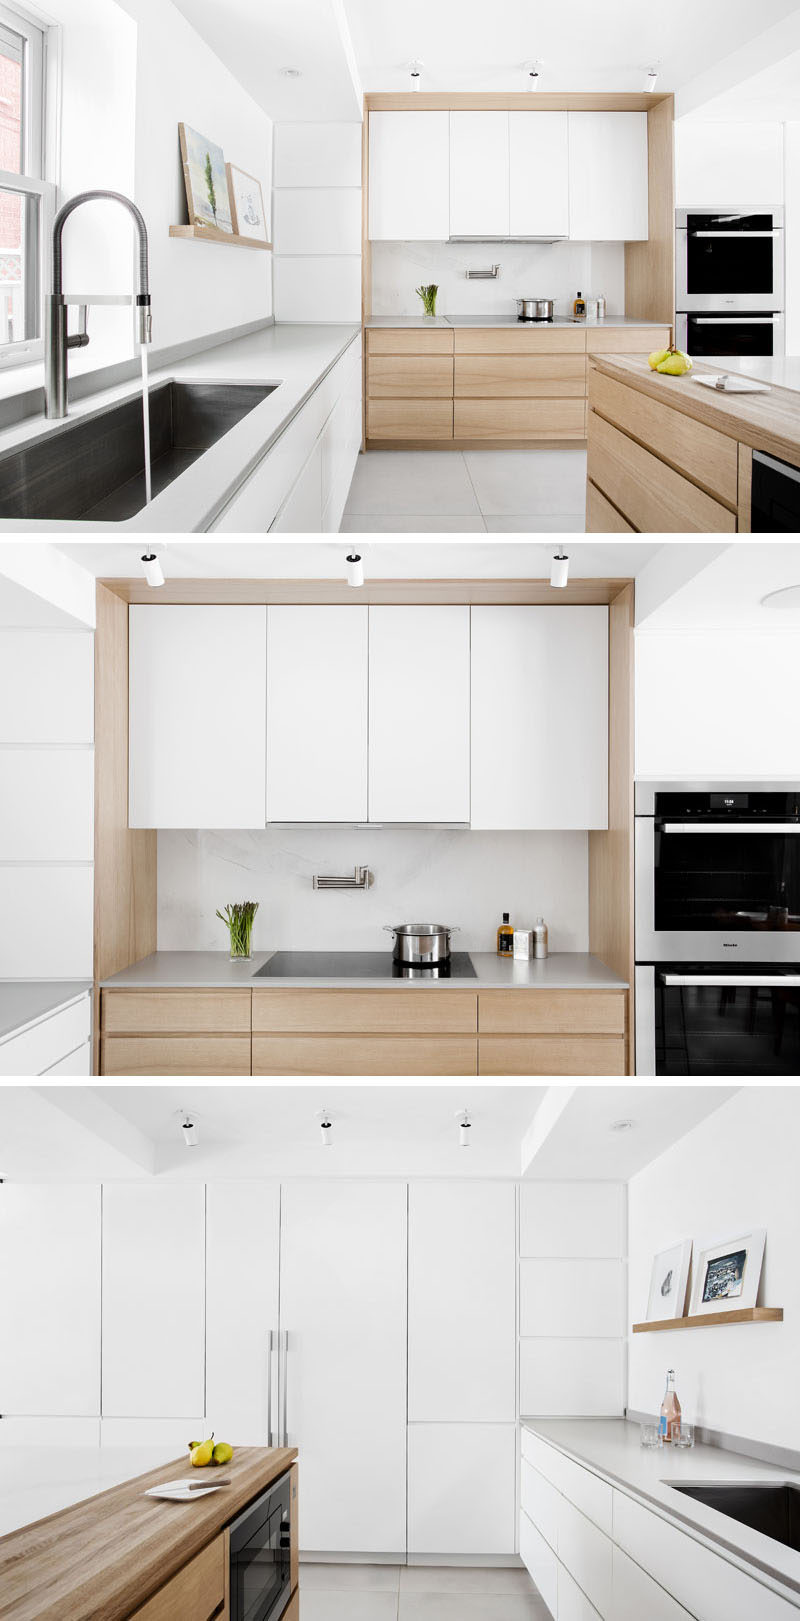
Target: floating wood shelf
(753, 1314)
(203, 233)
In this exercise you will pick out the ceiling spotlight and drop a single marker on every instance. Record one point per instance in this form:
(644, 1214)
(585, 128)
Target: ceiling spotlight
(189, 1132)
(464, 1128)
(415, 69)
(651, 80)
(152, 570)
(622, 1125)
(326, 1128)
(534, 75)
(355, 569)
(559, 570)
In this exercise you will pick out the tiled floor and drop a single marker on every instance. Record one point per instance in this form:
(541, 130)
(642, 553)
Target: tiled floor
(417, 1593)
(467, 492)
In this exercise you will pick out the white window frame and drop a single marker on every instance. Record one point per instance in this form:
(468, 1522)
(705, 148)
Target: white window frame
(31, 183)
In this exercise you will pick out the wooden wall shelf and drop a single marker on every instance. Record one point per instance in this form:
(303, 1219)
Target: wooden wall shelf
(202, 233)
(753, 1314)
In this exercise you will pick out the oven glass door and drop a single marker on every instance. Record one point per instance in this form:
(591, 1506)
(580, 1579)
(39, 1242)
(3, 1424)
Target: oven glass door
(724, 1024)
(740, 880)
(755, 335)
(260, 1571)
(735, 255)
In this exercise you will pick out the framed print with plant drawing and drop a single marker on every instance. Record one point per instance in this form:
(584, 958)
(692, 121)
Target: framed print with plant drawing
(205, 180)
(668, 1282)
(247, 204)
(726, 1276)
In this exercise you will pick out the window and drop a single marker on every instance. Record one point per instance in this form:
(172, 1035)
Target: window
(26, 201)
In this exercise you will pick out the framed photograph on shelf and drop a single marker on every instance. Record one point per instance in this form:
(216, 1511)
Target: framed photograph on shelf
(668, 1282)
(206, 181)
(726, 1276)
(247, 204)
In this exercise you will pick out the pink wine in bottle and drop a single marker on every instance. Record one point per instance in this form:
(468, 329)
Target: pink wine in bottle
(670, 1425)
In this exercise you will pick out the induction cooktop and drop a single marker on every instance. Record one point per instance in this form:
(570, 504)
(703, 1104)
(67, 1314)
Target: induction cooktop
(359, 965)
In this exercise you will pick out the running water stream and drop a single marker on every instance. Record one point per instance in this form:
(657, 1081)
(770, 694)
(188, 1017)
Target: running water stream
(148, 474)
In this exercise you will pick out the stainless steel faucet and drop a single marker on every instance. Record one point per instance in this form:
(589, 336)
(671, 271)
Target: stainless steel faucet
(57, 339)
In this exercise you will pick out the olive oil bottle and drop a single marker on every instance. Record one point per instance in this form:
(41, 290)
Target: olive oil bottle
(505, 938)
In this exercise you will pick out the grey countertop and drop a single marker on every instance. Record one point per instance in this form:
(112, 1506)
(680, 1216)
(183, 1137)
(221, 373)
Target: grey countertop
(782, 371)
(24, 1002)
(177, 970)
(610, 1447)
(444, 322)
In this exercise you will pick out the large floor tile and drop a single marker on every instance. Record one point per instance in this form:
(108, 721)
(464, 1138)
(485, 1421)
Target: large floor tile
(468, 1607)
(457, 1579)
(354, 523)
(509, 482)
(350, 1606)
(573, 523)
(349, 1578)
(413, 483)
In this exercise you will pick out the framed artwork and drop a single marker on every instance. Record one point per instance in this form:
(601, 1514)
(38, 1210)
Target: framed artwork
(247, 204)
(668, 1281)
(205, 180)
(727, 1276)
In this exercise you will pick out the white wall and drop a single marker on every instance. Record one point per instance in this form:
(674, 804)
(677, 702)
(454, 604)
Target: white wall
(317, 222)
(735, 1171)
(559, 271)
(465, 878)
(791, 136)
(728, 163)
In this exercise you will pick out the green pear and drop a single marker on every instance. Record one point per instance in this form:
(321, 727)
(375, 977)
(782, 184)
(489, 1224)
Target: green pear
(203, 1453)
(223, 1452)
(675, 363)
(656, 358)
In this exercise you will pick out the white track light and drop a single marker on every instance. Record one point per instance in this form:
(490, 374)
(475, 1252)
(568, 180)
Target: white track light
(415, 69)
(651, 80)
(326, 1128)
(189, 1131)
(464, 1128)
(152, 570)
(559, 571)
(533, 74)
(355, 569)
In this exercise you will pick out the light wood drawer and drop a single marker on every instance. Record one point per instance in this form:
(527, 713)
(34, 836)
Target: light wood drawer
(519, 419)
(653, 497)
(637, 1595)
(364, 1013)
(559, 1013)
(157, 1013)
(551, 1055)
(512, 376)
(521, 340)
(601, 517)
(197, 1591)
(410, 419)
(707, 1585)
(175, 1055)
(539, 1500)
(365, 1055)
(586, 1553)
(627, 340)
(409, 341)
(711, 459)
(414, 376)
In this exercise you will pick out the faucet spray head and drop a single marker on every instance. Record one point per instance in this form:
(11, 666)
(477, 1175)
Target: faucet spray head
(145, 318)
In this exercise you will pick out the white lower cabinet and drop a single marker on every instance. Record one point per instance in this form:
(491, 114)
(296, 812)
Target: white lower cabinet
(540, 1501)
(586, 1552)
(55, 1045)
(301, 512)
(50, 1249)
(540, 1561)
(242, 1261)
(636, 1595)
(461, 1497)
(573, 1605)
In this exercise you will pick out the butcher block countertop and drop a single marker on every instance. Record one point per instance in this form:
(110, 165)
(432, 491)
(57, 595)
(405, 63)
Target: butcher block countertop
(102, 1559)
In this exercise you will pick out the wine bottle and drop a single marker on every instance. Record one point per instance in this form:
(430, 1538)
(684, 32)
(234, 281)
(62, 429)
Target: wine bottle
(670, 1424)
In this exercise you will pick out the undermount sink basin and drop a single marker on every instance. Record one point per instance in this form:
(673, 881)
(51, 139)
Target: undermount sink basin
(772, 1510)
(93, 468)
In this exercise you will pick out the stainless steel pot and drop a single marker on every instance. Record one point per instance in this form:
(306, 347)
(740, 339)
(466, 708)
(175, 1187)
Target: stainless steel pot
(421, 944)
(535, 309)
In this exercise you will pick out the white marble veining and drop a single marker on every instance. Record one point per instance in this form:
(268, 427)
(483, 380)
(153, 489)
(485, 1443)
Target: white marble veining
(506, 319)
(556, 270)
(24, 1002)
(178, 970)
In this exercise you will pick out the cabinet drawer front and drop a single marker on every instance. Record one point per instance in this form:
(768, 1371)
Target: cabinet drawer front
(573, 1605)
(543, 1458)
(46, 1043)
(551, 1055)
(637, 1595)
(408, 341)
(415, 376)
(601, 517)
(582, 1488)
(586, 1554)
(708, 457)
(521, 340)
(652, 497)
(626, 340)
(520, 419)
(489, 377)
(364, 1013)
(175, 1055)
(410, 419)
(540, 1502)
(195, 1593)
(540, 1562)
(714, 1589)
(552, 1013)
(158, 1013)
(364, 1055)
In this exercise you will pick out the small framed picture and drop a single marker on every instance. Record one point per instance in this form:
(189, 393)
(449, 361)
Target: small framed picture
(205, 180)
(668, 1282)
(727, 1275)
(247, 204)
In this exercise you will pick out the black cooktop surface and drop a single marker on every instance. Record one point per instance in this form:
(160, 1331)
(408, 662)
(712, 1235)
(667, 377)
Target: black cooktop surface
(359, 965)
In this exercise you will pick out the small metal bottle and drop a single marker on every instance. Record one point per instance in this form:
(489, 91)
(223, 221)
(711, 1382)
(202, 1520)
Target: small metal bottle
(540, 938)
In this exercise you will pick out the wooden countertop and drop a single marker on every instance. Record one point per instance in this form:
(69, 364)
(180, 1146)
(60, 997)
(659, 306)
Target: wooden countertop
(104, 1558)
(769, 422)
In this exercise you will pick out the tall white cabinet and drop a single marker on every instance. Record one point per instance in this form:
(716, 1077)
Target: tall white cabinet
(50, 1248)
(419, 720)
(317, 714)
(242, 1292)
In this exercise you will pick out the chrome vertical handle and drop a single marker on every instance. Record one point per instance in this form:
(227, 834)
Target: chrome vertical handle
(285, 1387)
(270, 1341)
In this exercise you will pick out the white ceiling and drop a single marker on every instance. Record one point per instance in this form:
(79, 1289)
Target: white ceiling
(727, 590)
(582, 1146)
(257, 38)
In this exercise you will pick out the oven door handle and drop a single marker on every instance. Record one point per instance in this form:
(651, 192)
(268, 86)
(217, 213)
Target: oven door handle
(734, 320)
(772, 981)
(730, 827)
(734, 233)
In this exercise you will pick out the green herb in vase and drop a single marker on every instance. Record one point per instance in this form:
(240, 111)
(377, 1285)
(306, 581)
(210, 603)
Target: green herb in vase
(428, 296)
(238, 920)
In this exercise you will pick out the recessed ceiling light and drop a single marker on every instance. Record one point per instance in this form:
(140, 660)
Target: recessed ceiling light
(786, 598)
(290, 73)
(622, 1125)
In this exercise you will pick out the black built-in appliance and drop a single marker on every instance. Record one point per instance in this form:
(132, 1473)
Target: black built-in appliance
(260, 1542)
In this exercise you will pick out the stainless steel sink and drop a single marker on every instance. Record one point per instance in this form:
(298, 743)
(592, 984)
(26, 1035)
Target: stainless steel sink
(773, 1510)
(93, 468)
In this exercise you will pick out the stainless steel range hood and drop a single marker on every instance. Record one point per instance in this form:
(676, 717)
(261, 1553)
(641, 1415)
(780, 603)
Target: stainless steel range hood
(546, 241)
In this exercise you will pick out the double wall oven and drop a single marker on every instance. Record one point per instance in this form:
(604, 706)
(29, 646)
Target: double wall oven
(717, 929)
(729, 281)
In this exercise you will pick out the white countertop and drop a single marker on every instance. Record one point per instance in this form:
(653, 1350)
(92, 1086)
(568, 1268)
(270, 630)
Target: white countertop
(37, 1480)
(176, 970)
(24, 1002)
(445, 322)
(610, 1447)
(294, 357)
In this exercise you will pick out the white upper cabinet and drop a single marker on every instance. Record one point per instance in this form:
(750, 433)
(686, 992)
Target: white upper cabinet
(608, 177)
(540, 717)
(317, 714)
(50, 1288)
(409, 163)
(479, 174)
(419, 723)
(197, 716)
(539, 174)
(242, 1238)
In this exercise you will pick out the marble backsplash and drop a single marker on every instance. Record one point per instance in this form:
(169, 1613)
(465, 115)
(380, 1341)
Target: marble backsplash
(532, 270)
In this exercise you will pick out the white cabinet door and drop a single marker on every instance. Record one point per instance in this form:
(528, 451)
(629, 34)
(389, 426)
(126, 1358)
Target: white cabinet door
(343, 1305)
(301, 512)
(539, 717)
(540, 1562)
(50, 1290)
(317, 714)
(608, 177)
(539, 183)
(242, 1241)
(461, 1302)
(153, 1300)
(419, 726)
(409, 163)
(479, 171)
(635, 1594)
(461, 1489)
(198, 679)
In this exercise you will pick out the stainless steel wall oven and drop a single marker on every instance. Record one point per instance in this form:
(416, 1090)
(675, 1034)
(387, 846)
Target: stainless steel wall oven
(729, 281)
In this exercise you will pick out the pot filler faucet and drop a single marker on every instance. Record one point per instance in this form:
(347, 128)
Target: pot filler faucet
(57, 339)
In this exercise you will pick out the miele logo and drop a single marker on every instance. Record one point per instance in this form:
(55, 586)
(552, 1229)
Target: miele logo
(731, 945)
